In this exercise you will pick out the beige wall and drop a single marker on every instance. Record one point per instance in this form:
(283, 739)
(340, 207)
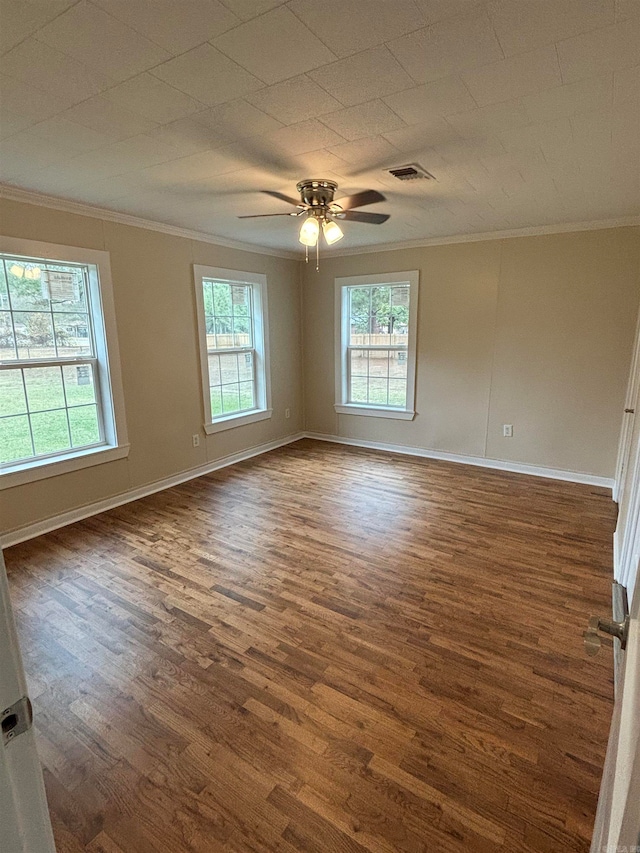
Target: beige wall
(156, 319)
(535, 331)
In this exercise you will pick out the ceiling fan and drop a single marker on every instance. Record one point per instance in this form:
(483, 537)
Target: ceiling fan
(321, 211)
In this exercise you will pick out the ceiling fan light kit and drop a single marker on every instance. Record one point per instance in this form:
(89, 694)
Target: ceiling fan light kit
(319, 209)
(309, 231)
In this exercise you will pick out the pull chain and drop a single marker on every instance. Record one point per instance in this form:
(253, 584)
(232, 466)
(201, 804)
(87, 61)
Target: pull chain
(306, 254)
(318, 254)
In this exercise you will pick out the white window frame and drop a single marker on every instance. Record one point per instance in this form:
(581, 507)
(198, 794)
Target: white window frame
(260, 337)
(342, 325)
(111, 413)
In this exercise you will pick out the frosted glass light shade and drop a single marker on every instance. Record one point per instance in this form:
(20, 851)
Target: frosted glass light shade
(332, 232)
(309, 232)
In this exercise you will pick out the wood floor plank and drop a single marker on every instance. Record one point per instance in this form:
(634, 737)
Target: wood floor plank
(323, 649)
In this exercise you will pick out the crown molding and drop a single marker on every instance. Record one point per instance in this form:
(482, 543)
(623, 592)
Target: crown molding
(531, 231)
(105, 213)
(81, 208)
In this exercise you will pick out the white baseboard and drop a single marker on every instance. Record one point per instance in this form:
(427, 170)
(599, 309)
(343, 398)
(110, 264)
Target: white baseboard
(479, 461)
(21, 534)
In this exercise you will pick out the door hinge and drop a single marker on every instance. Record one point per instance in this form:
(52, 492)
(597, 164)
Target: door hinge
(16, 719)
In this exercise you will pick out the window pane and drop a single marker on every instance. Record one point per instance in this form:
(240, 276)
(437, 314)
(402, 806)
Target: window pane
(50, 431)
(400, 314)
(25, 286)
(223, 327)
(398, 392)
(379, 363)
(4, 291)
(398, 364)
(359, 362)
(207, 296)
(221, 299)
(7, 340)
(378, 391)
(66, 289)
(230, 399)
(215, 377)
(228, 368)
(358, 389)
(78, 384)
(83, 422)
(380, 315)
(378, 377)
(12, 399)
(245, 366)
(359, 309)
(73, 336)
(241, 304)
(44, 388)
(34, 334)
(247, 400)
(15, 439)
(216, 401)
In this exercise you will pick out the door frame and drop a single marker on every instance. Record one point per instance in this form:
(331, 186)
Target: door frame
(631, 400)
(626, 541)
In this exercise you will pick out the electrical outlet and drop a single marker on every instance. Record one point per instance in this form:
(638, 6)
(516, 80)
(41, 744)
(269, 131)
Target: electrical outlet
(507, 430)
(287, 413)
(196, 440)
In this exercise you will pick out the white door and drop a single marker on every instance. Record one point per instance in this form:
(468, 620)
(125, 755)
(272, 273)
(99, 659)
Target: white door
(24, 818)
(617, 825)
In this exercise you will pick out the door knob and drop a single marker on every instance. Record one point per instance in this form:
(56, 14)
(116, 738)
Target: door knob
(619, 630)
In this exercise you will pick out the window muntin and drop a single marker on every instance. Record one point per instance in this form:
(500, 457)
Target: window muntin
(49, 377)
(378, 344)
(68, 343)
(376, 325)
(231, 356)
(234, 351)
(378, 377)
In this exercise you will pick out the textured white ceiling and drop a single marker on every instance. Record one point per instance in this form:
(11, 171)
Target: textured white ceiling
(527, 112)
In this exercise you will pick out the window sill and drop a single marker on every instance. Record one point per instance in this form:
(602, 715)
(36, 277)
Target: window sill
(40, 469)
(241, 419)
(373, 412)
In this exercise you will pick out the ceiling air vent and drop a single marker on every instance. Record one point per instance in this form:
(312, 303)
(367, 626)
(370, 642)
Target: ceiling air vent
(411, 172)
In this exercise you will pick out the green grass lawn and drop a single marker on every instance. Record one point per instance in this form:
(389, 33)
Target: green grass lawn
(374, 391)
(226, 400)
(41, 412)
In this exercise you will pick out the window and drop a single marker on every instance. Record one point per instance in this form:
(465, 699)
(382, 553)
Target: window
(232, 321)
(60, 390)
(376, 344)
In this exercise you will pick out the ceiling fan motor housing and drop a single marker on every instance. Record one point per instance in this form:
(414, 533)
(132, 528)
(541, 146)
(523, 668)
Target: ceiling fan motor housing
(317, 193)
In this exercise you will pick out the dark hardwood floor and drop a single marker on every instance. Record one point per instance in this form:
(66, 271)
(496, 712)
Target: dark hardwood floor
(327, 650)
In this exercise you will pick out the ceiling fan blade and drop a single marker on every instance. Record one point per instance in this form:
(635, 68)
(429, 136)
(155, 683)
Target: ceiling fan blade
(261, 215)
(282, 197)
(363, 216)
(360, 199)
